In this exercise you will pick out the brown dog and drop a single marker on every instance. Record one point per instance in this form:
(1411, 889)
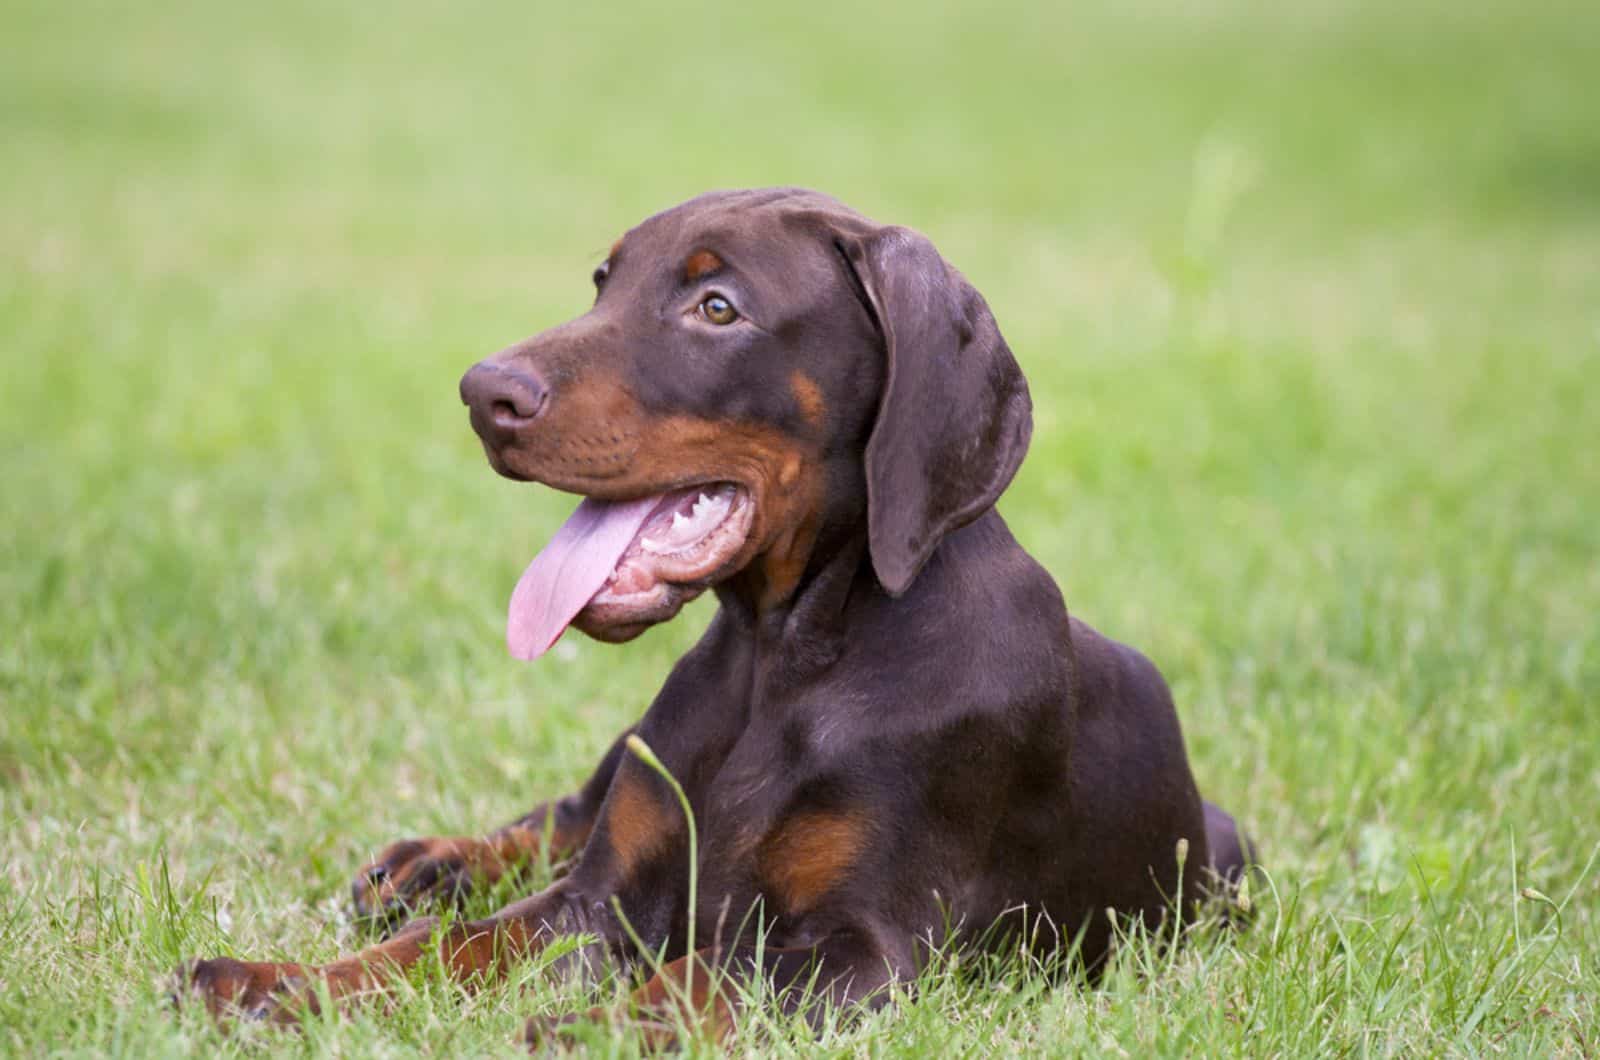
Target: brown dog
(892, 725)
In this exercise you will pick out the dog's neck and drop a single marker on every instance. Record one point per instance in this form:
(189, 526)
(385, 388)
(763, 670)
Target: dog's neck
(788, 613)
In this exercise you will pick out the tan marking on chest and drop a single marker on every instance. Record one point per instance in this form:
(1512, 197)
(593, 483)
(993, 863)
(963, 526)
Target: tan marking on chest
(809, 855)
(638, 821)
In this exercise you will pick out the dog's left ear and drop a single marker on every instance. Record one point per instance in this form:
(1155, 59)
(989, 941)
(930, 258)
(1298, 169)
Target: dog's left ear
(954, 420)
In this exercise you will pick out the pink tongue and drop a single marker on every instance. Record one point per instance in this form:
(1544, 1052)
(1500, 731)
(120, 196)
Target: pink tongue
(567, 572)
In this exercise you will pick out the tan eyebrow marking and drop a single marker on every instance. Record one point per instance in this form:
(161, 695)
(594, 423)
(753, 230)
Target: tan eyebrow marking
(701, 263)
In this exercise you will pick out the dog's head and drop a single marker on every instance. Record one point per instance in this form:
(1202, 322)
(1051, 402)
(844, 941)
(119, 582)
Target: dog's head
(759, 368)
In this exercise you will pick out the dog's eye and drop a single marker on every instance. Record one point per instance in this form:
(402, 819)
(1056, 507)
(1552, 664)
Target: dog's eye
(601, 271)
(718, 310)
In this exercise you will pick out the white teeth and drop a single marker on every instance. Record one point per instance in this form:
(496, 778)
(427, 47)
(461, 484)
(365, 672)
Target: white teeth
(706, 515)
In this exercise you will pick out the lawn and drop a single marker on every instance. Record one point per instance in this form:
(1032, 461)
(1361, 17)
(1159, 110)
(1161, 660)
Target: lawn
(1309, 298)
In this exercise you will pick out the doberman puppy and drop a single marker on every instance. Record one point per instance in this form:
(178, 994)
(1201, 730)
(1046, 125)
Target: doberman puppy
(891, 726)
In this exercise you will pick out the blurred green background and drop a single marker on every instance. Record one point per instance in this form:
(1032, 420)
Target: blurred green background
(1308, 295)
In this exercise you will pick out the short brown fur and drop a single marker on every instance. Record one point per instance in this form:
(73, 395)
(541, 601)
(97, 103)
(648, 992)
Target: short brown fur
(809, 397)
(809, 855)
(892, 724)
(636, 820)
(701, 263)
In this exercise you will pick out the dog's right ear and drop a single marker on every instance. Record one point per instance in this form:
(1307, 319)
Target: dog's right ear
(954, 420)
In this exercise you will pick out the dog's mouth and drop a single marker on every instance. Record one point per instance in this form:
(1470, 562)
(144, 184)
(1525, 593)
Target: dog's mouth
(616, 567)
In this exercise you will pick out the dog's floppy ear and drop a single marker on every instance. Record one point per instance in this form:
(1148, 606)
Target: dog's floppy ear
(954, 420)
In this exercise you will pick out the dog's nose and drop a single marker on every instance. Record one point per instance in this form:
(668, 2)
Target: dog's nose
(502, 400)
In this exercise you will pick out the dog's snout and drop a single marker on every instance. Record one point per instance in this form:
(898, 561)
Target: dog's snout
(502, 400)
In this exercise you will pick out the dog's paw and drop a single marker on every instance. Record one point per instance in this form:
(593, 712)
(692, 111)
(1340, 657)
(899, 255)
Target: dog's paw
(247, 990)
(414, 872)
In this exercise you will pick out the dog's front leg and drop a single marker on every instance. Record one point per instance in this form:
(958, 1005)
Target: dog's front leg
(410, 873)
(470, 952)
(637, 852)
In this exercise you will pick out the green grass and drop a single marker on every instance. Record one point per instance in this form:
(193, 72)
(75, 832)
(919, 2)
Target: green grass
(1309, 296)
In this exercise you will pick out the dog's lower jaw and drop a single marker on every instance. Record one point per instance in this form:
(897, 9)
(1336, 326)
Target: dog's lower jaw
(614, 623)
(614, 617)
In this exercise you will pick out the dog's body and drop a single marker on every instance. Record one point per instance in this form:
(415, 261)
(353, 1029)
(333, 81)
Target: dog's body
(891, 727)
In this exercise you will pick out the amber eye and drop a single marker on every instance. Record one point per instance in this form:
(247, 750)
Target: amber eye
(718, 310)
